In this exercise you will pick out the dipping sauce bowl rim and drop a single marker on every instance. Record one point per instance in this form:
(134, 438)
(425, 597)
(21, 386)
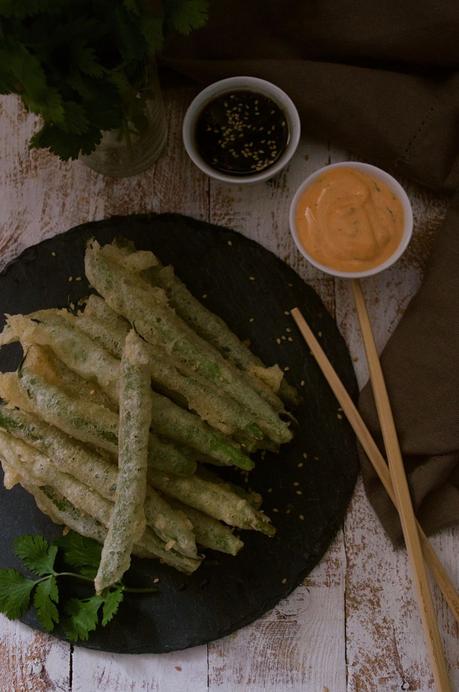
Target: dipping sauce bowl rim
(392, 184)
(241, 83)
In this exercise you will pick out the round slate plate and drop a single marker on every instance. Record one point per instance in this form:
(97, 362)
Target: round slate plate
(306, 488)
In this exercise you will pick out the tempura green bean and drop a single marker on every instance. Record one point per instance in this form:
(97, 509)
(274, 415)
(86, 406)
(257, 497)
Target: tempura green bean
(146, 307)
(213, 499)
(86, 421)
(127, 521)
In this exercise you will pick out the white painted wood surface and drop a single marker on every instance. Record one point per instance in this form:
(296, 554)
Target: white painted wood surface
(353, 625)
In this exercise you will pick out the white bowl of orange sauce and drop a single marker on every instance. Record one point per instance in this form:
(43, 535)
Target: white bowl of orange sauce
(351, 219)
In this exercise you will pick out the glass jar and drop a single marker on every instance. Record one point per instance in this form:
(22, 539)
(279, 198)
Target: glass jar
(130, 150)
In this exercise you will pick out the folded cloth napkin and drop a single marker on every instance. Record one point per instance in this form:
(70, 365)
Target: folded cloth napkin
(381, 79)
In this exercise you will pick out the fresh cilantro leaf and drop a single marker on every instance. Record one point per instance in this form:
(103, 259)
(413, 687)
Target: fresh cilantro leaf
(45, 599)
(15, 590)
(152, 30)
(79, 551)
(36, 553)
(185, 15)
(112, 601)
(66, 145)
(75, 119)
(83, 617)
(85, 57)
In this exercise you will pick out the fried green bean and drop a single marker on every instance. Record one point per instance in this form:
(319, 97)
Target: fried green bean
(173, 422)
(211, 533)
(58, 330)
(254, 498)
(86, 421)
(31, 469)
(69, 456)
(146, 307)
(169, 419)
(42, 360)
(127, 521)
(207, 324)
(213, 499)
(221, 411)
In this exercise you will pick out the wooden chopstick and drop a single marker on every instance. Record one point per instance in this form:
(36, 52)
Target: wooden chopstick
(402, 493)
(374, 455)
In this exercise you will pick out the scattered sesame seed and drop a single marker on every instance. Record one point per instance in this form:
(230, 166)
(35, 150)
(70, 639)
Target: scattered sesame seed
(301, 517)
(290, 338)
(305, 456)
(286, 369)
(204, 295)
(156, 580)
(70, 279)
(229, 242)
(284, 580)
(300, 465)
(287, 329)
(319, 333)
(284, 338)
(316, 458)
(275, 510)
(252, 278)
(53, 254)
(339, 416)
(286, 312)
(298, 492)
(251, 319)
(290, 285)
(302, 383)
(270, 490)
(278, 340)
(78, 278)
(287, 511)
(296, 484)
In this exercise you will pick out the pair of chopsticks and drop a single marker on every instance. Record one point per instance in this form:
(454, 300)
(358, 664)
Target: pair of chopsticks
(393, 478)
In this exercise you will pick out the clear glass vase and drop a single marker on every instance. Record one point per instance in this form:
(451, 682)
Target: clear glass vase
(130, 151)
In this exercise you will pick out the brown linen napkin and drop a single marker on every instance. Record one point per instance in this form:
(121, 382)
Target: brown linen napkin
(382, 79)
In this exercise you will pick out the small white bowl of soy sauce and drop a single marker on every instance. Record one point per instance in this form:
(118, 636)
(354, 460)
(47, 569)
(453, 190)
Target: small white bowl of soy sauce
(241, 130)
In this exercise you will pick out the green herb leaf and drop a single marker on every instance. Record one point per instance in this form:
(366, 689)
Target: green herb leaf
(112, 601)
(79, 551)
(66, 145)
(185, 15)
(36, 553)
(45, 599)
(83, 617)
(15, 590)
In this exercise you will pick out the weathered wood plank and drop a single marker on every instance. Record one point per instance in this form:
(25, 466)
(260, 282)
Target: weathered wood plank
(299, 645)
(31, 661)
(182, 671)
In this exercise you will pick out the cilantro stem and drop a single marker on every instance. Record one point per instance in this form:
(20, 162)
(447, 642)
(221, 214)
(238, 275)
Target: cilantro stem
(73, 574)
(128, 589)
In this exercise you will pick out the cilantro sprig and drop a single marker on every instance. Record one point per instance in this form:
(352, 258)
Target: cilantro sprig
(78, 616)
(81, 65)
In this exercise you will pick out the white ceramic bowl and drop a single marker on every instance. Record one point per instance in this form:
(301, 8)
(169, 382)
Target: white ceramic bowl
(241, 83)
(392, 184)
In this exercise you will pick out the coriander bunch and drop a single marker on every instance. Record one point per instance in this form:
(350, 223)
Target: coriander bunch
(80, 615)
(80, 64)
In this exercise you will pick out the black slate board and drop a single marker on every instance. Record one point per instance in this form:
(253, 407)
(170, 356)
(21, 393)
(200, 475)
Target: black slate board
(225, 593)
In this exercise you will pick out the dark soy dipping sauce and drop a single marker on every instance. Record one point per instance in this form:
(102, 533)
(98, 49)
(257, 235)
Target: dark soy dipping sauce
(241, 133)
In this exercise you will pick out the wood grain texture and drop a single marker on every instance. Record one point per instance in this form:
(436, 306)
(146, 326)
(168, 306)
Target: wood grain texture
(353, 626)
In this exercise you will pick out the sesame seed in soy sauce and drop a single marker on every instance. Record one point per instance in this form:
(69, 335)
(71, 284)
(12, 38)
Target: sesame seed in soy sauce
(241, 132)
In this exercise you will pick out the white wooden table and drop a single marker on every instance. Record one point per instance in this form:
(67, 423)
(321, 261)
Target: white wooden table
(353, 624)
